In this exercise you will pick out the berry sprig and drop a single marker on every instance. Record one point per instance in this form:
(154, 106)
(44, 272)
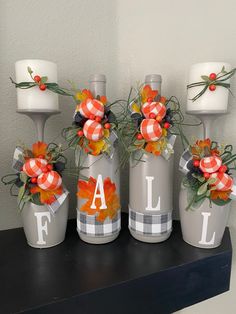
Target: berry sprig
(212, 81)
(41, 82)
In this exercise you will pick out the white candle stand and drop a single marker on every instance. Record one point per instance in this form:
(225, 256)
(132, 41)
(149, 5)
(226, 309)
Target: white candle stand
(39, 118)
(207, 117)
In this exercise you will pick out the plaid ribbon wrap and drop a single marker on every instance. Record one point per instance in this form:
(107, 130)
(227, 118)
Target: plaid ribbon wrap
(17, 165)
(150, 224)
(186, 157)
(88, 225)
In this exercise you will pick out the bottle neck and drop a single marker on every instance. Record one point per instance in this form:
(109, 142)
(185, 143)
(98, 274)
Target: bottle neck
(154, 81)
(97, 85)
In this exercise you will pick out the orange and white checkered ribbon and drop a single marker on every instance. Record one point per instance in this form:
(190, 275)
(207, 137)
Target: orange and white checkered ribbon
(210, 164)
(154, 107)
(91, 107)
(33, 166)
(150, 130)
(93, 130)
(223, 181)
(49, 181)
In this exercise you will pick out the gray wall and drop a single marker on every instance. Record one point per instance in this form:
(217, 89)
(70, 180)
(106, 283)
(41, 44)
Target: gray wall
(124, 40)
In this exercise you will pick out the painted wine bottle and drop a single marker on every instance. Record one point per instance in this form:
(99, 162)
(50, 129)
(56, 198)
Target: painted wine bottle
(98, 206)
(151, 167)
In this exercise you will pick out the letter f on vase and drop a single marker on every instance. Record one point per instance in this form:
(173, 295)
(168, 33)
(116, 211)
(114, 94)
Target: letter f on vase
(42, 227)
(149, 196)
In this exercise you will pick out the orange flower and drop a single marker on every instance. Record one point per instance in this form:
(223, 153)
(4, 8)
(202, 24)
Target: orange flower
(39, 148)
(223, 195)
(46, 197)
(86, 191)
(152, 147)
(147, 92)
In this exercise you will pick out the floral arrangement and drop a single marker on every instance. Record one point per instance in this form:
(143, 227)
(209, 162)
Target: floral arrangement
(151, 122)
(209, 173)
(211, 82)
(38, 177)
(42, 83)
(94, 127)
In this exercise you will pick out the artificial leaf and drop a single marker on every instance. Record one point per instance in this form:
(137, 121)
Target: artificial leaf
(29, 70)
(147, 92)
(84, 95)
(39, 148)
(86, 191)
(23, 177)
(44, 79)
(202, 189)
(46, 197)
(223, 195)
(205, 78)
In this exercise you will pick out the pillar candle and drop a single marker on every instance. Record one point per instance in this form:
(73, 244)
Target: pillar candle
(211, 101)
(33, 98)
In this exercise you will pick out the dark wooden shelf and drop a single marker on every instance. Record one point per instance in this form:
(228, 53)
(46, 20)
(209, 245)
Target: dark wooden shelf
(125, 276)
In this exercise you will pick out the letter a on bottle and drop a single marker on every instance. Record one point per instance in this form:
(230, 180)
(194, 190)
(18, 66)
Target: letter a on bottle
(101, 195)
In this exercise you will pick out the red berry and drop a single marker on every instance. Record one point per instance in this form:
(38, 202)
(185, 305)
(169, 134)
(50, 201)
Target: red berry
(212, 76)
(42, 86)
(37, 78)
(212, 87)
(150, 99)
(166, 125)
(34, 180)
(139, 136)
(206, 175)
(152, 115)
(223, 168)
(98, 119)
(80, 133)
(45, 170)
(41, 156)
(49, 167)
(92, 117)
(107, 126)
(196, 163)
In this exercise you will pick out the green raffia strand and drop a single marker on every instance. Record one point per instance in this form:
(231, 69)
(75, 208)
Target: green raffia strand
(53, 87)
(219, 81)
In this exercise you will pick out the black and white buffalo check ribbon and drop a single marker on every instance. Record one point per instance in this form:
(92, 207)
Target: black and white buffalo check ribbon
(150, 224)
(88, 225)
(17, 165)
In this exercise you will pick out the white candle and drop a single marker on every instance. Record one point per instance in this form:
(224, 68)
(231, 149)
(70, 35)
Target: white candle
(33, 98)
(211, 101)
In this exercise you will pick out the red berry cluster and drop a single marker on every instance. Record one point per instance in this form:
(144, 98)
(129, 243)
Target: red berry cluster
(212, 77)
(41, 85)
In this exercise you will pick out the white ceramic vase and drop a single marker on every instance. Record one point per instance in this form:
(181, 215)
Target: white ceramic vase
(42, 228)
(203, 227)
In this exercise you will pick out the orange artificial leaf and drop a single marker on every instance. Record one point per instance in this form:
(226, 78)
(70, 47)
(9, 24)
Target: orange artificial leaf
(39, 148)
(223, 195)
(163, 100)
(147, 92)
(86, 191)
(46, 197)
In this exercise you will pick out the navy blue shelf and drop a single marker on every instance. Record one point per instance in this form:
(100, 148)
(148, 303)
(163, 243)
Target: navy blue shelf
(125, 276)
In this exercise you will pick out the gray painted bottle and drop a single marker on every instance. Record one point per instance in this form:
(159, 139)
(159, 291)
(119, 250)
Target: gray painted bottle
(90, 230)
(150, 191)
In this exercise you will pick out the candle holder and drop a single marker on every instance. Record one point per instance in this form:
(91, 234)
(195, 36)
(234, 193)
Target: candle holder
(207, 117)
(39, 118)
